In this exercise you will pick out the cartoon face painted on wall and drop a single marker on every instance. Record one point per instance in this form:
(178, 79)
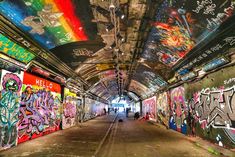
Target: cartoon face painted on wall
(9, 108)
(11, 82)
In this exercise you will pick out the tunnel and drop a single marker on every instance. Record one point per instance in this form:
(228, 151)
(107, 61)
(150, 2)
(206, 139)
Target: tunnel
(117, 78)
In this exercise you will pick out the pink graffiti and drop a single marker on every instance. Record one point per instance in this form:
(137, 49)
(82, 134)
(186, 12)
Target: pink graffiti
(69, 110)
(11, 80)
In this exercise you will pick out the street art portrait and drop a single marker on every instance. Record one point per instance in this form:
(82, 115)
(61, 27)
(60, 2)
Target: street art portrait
(163, 104)
(11, 84)
(70, 105)
(40, 108)
(180, 25)
(149, 105)
(178, 110)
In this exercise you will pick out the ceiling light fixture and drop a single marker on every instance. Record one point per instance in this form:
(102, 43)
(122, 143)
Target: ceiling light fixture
(111, 6)
(120, 37)
(119, 13)
(109, 27)
(102, 11)
(113, 45)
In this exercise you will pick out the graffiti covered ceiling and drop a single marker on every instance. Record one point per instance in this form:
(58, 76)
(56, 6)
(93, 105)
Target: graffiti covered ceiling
(50, 22)
(74, 54)
(139, 89)
(180, 25)
(149, 78)
(156, 37)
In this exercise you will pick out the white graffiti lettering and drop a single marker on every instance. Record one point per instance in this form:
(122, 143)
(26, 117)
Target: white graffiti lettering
(217, 108)
(229, 81)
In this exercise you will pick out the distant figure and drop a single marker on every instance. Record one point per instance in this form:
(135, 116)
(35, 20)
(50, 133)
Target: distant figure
(104, 111)
(108, 110)
(115, 110)
(137, 115)
(127, 112)
(147, 116)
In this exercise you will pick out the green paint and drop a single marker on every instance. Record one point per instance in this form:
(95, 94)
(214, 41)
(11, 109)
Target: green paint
(59, 32)
(14, 50)
(213, 151)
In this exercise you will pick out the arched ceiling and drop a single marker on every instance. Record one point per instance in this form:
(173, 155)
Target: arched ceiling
(161, 40)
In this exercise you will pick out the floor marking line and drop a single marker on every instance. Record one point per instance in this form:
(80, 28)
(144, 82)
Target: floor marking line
(105, 136)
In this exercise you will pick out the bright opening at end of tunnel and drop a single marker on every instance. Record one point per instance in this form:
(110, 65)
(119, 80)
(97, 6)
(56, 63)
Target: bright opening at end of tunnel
(122, 103)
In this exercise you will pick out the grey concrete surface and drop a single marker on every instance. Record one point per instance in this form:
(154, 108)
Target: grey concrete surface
(130, 138)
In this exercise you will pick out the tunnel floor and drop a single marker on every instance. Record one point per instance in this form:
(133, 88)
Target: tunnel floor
(105, 137)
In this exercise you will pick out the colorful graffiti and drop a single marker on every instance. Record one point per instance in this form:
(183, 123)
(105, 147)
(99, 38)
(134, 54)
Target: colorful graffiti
(180, 25)
(14, 50)
(149, 106)
(215, 109)
(40, 108)
(178, 110)
(93, 109)
(50, 22)
(69, 109)
(9, 108)
(8, 66)
(163, 104)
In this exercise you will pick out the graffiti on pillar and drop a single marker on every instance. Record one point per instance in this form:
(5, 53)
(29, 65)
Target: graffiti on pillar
(40, 108)
(9, 108)
(215, 109)
(149, 106)
(178, 110)
(69, 109)
(163, 108)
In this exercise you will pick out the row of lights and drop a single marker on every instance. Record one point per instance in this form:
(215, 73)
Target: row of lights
(118, 39)
(115, 14)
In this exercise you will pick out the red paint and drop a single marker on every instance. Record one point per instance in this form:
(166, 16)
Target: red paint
(69, 13)
(24, 138)
(30, 79)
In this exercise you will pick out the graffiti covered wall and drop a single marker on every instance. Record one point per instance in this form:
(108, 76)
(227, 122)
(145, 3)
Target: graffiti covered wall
(163, 108)
(11, 84)
(212, 111)
(40, 108)
(69, 109)
(149, 105)
(178, 110)
(93, 109)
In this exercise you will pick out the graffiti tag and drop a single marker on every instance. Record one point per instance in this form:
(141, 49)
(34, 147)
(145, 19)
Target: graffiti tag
(216, 108)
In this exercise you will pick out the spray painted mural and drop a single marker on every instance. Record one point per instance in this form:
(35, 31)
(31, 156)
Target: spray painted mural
(149, 106)
(40, 108)
(11, 84)
(215, 109)
(50, 22)
(178, 110)
(93, 109)
(14, 50)
(211, 107)
(163, 104)
(180, 25)
(69, 109)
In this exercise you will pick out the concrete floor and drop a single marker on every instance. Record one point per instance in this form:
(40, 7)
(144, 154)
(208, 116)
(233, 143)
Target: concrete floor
(124, 139)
